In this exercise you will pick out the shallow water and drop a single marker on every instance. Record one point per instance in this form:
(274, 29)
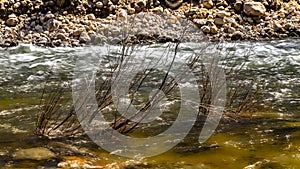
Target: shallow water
(270, 139)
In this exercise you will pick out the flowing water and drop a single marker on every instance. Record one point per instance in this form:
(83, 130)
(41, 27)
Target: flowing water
(270, 138)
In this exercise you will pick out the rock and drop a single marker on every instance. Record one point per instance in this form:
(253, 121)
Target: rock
(142, 3)
(122, 15)
(173, 4)
(99, 5)
(237, 35)
(254, 8)
(84, 37)
(52, 25)
(12, 22)
(208, 4)
(219, 21)
(130, 10)
(231, 30)
(38, 153)
(222, 14)
(91, 16)
(213, 29)
(205, 29)
(200, 22)
(61, 36)
(78, 31)
(158, 9)
(60, 3)
(81, 162)
(238, 5)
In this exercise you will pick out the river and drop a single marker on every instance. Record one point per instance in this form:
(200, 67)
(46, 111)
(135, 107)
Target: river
(268, 138)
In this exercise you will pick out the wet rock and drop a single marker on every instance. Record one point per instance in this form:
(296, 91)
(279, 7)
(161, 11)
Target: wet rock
(81, 162)
(84, 37)
(264, 164)
(38, 153)
(237, 35)
(254, 8)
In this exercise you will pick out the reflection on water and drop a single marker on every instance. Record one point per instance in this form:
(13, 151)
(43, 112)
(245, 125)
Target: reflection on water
(270, 140)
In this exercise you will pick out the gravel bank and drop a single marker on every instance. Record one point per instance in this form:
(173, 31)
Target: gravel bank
(77, 22)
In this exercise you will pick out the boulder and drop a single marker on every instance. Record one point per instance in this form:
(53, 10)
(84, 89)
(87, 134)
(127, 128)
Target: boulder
(254, 8)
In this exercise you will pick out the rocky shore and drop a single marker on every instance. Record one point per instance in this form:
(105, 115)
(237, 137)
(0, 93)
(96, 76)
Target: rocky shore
(76, 22)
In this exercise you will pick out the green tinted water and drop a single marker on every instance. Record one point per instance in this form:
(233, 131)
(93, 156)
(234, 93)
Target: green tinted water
(269, 139)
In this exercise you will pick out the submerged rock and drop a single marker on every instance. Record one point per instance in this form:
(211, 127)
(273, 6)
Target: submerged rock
(39, 153)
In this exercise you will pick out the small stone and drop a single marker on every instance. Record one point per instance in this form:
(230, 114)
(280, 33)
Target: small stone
(222, 14)
(231, 29)
(238, 6)
(254, 8)
(52, 25)
(208, 4)
(12, 22)
(200, 22)
(60, 3)
(130, 11)
(141, 3)
(99, 5)
(91, 16)
(237, 35)
(219, 21)
(61, 36)
(122, 14)
(77, 32)
(205, 29)
(84, 37)
(158, 9)
(213, 29)
(281, 15)
(39, 153)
